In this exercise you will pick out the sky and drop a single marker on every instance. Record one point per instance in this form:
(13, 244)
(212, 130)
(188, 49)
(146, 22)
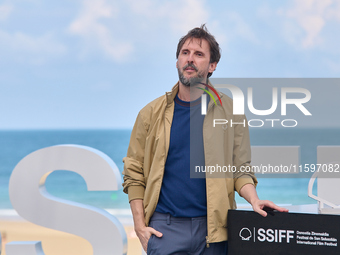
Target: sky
(95, 63)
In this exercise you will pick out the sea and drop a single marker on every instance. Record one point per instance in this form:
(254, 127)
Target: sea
(16, 144)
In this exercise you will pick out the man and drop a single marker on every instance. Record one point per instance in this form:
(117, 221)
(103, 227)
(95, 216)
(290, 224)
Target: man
(173, 213)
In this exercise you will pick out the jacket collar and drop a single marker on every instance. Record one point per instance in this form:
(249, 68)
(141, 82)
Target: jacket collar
(170, 96)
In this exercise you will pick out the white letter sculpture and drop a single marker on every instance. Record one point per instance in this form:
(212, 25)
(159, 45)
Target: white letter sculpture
(30, 199)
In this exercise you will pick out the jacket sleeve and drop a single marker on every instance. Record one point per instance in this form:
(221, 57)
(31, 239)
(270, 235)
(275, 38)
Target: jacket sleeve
(242, 154)
(134, 182)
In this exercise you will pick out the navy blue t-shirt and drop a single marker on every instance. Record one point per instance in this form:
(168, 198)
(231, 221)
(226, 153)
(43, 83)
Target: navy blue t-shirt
(180, 195)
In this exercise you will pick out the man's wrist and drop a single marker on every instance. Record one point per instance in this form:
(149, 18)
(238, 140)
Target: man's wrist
(253, 201)
(139, 227)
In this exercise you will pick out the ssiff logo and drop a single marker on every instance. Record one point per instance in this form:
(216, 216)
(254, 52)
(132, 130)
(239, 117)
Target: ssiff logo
(245, 234)
(269, 235)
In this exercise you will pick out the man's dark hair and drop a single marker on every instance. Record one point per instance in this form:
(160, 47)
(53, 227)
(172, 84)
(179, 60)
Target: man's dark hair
(202, 33)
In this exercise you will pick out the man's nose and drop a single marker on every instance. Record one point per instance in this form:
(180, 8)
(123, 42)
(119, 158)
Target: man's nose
(190, 58)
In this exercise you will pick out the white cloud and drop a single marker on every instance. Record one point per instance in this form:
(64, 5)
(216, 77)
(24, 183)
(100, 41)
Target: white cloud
(117, 28)
(95, 33)
(306, 19)
(185, 15)
(178, 15)
(25, 48)
(5, 11)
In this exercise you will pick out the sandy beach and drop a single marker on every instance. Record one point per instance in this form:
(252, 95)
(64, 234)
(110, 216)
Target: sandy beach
(55, 242)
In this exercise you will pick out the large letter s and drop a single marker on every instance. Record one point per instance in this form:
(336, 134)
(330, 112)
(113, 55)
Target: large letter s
(30, 199)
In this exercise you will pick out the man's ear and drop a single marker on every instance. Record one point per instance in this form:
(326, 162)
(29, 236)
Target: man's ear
(177, 64)
(212, 67)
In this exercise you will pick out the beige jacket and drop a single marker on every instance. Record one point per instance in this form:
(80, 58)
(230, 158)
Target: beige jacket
(223, 146)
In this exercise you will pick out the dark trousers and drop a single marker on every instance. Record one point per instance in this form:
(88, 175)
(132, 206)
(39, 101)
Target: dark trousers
(182, 236)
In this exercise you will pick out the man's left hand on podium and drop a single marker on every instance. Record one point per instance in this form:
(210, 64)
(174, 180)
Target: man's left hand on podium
(262, 206)
(248, 192)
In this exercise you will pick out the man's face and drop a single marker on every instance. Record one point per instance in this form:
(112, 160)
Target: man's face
(193, 63)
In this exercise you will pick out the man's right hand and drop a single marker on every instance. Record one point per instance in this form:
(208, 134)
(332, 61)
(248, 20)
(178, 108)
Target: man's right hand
(144, 234)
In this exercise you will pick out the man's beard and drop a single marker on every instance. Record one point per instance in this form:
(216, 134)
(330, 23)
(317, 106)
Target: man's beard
(189, 82)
